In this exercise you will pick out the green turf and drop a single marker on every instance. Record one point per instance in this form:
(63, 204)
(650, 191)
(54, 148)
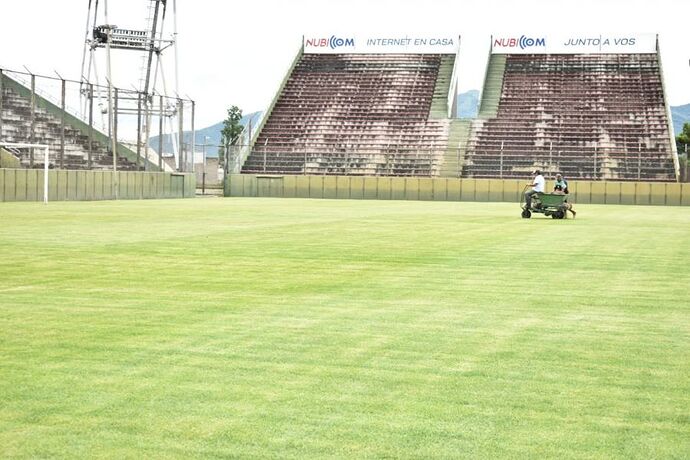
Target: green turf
(315, 328)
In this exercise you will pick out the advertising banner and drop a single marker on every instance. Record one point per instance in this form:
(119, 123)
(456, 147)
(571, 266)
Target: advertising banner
(573, 44)
(381, 44)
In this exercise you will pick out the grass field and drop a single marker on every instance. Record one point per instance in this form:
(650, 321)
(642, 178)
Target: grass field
(316, 328)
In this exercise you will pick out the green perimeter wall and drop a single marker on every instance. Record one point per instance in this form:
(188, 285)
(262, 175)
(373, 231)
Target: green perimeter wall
(445, 189)
(27, 185)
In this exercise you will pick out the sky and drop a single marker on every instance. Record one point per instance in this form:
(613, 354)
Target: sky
(237, 53)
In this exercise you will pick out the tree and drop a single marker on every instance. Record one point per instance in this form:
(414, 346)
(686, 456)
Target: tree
(230, 132)
(683, 139)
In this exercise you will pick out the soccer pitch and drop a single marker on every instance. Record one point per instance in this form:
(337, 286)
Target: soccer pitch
(317, 328)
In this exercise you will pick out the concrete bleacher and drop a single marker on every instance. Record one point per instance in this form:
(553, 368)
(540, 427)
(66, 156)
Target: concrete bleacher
(45, 127)
(358, 114)
(588, 116)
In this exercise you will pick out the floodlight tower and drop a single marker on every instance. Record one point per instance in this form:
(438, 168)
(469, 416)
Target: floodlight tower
(149, 42)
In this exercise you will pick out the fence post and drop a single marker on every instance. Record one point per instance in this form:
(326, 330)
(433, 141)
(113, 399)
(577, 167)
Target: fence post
(264, 161)
(90, 153)
(180, 133)
(62, 124)
(32, 137)
(138, 129)
(639, 160)
(2, 77)
(160, 133)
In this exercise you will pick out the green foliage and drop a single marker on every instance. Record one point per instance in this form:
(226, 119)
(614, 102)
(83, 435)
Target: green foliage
(683, 139)
(345, 329)
(231, 130)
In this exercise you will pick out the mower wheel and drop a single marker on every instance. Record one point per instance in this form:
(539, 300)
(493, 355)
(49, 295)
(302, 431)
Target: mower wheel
(526, 214)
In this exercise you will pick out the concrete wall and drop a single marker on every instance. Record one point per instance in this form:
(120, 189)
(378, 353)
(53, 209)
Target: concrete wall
(27, 185)
(442, 189)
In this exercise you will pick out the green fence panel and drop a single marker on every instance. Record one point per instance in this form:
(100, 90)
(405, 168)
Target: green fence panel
(263, 186)
(398, 188)
(370, 191)
(2, 185)
(440, 189)
(512, 189)
(481, 192)
(673, 194)
(658, 194)
(145, 185)
(643, 193)
(330, 187)
(426, 189)
(139, 185)
(496, 188)
(583, 192)
(72, 186)
(383, 188)
(356, 188)
(62, 184)
(89, 181)
(52, 185)
(20, 184)
(613, 193)
(315, 186)
(34, 185)
(412, 188)
(302, 186)
(10, 176)
(98, 185)
(82, 193)
(685, 194)
(343, 187)
(453, 189)
(628, 190)
(598, 193)
(468, 189)
(289, 183)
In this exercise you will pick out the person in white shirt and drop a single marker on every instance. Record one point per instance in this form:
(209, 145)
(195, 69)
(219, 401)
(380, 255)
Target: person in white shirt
(538, 185)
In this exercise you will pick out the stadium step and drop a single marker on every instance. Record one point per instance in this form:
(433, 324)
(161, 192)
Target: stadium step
(493, 84)
(457, 145)
(439, 103)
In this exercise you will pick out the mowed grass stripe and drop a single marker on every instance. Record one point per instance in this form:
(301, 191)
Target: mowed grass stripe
(320, 328)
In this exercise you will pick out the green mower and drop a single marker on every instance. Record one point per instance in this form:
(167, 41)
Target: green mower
(549, 204)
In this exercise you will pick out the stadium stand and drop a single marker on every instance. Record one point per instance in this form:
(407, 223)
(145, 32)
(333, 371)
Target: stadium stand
(358, 114)
(45, 127)
(589, 116)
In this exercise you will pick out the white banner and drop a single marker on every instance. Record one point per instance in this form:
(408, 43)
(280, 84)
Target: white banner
(381, 44)
(573, 44)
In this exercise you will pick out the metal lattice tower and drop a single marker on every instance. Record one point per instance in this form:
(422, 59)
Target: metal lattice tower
(149, 42)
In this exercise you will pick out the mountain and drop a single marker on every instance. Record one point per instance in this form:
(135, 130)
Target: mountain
(468, 104)
(680, 114)
(209, 135)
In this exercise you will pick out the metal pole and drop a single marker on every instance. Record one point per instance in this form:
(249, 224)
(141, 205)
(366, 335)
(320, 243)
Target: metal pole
(111, 112)
(501, 160)
(32, 136)
(138, 130)
(46, 160)
(160, 134)
(193, 139)
(180, 133)
(639, 160)
(2, 78)
(90, 124)
(203, 174)
(62, 126)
